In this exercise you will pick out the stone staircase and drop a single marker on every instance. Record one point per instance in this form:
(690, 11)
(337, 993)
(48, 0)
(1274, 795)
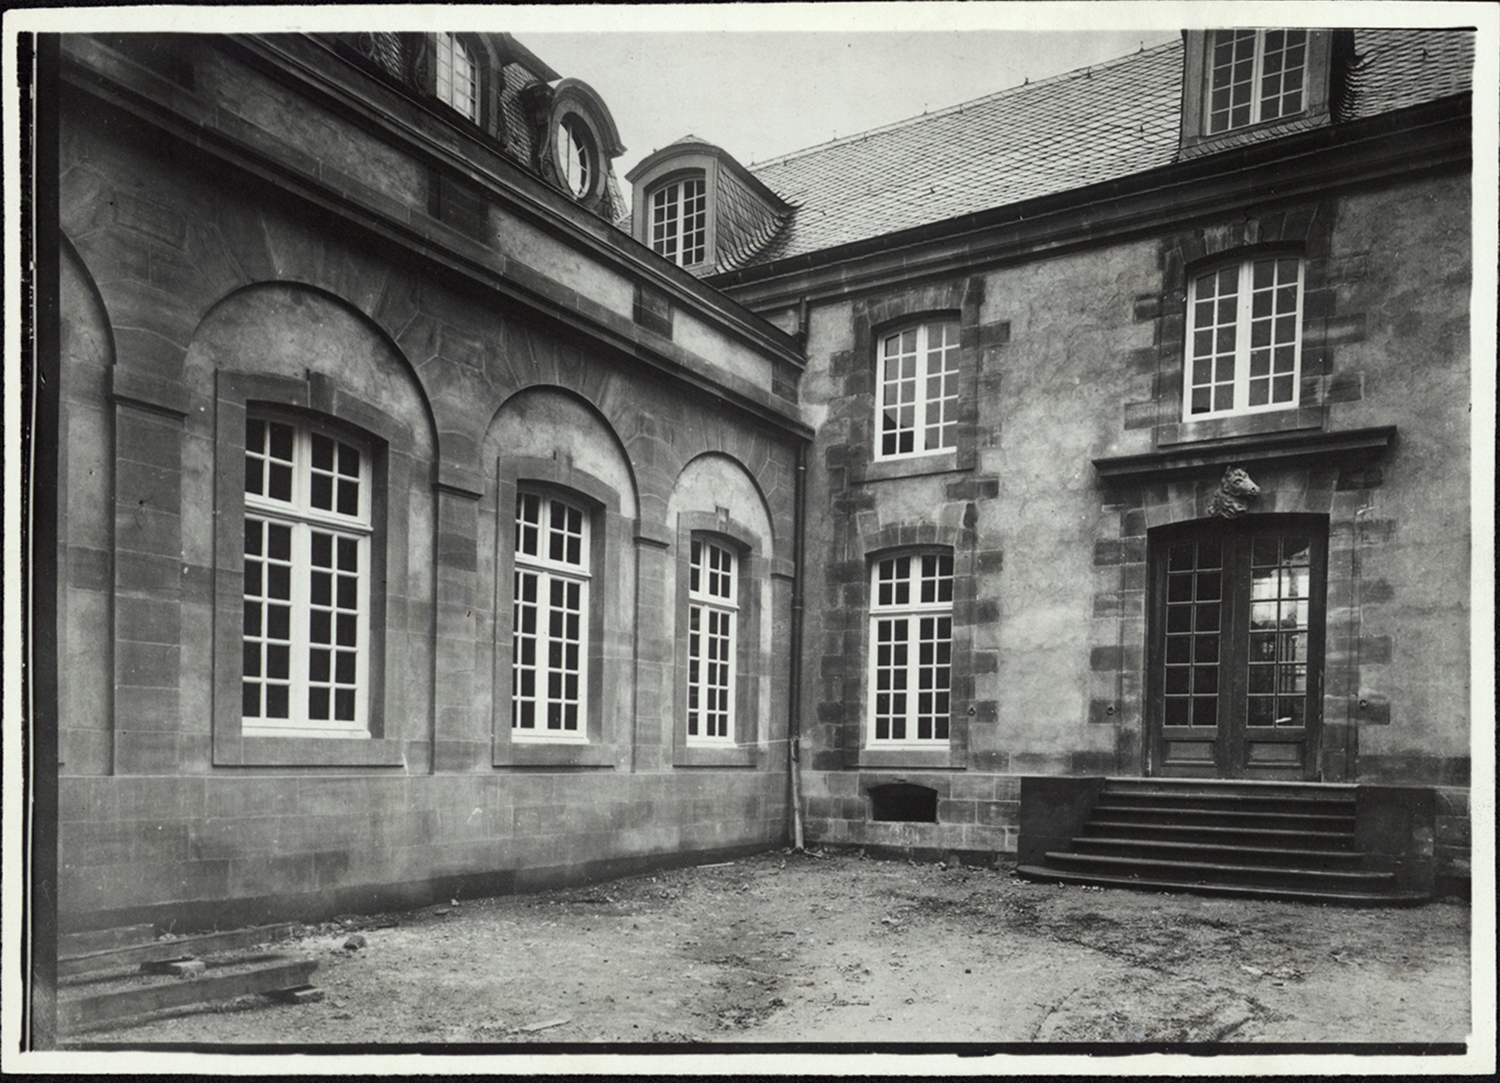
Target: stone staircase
(1254, 839)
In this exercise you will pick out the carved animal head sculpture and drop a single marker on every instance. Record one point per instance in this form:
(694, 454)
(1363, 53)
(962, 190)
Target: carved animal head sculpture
(1233, 496)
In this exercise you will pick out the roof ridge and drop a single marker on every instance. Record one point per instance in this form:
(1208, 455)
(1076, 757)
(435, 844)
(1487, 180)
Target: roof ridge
(1071, 73)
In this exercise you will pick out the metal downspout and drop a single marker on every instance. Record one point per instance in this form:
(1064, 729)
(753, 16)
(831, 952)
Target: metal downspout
(794, 704)
(794, 672)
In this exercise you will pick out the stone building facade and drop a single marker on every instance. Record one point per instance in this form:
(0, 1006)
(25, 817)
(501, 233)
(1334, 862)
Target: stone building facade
(420, 531)
(388, 472)
(1021, 357)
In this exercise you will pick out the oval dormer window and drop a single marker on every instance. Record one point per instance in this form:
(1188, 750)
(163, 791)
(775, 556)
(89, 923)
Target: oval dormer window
(577, 156)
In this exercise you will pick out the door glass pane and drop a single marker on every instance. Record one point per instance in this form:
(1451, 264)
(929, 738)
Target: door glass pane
(1190, 673)
(1280, 610)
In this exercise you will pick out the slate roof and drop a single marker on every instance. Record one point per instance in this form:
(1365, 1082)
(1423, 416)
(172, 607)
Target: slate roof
(1051, 136)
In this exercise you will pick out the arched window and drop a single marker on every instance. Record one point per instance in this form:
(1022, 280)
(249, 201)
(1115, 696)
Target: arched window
(679, 221)
(307, 580)
(713, 613)
(549, 637)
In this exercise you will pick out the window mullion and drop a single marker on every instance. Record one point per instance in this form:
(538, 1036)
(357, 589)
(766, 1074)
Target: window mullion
(1243, 308)
(363, 631)
(1257, 76)
(301, 602)
(920, 404)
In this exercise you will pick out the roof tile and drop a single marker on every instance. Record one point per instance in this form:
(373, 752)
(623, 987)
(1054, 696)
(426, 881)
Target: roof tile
(1084, 127)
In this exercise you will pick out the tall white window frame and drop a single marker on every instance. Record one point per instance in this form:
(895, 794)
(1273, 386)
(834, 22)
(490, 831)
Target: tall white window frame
(713, 619)
(1254, 77)
(679, 220)
(550, 631)
(457, 76)
(306, 617)
(911, 650)
(1244, 338)
(916, 411)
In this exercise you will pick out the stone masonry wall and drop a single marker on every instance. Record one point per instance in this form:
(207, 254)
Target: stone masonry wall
(1079, 357)
(188, 292)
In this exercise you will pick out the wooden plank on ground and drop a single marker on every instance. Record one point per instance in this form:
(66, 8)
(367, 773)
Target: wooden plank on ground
(104, 939)
(302, 994)
(74, 1013)
(181, 947)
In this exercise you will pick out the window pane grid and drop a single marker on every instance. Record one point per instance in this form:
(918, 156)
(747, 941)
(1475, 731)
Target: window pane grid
(1280, 610)
(1255, 76)
(679, 221)
(711, 643)
(306, 590)
(549, 619)
(911, 645)
(918, 403)
(1195, 593)
(456, 82)
(1244, 338)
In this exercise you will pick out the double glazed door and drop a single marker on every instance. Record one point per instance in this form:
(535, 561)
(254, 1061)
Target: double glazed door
(1235, 658)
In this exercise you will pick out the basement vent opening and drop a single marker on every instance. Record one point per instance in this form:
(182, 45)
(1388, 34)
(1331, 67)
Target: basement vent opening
(903, 802)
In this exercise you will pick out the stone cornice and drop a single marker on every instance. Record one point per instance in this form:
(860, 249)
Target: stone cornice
(177, 116)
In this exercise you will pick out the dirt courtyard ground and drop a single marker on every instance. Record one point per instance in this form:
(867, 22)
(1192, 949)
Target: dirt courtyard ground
(790, 948)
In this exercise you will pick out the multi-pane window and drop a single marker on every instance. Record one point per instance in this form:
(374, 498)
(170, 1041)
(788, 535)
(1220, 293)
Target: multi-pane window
(549, 656)
(307, 581)
(918, 405)
(911, 647)
(679, 221)
(712, 608)
(1255, 76)
(457, 76)
(1195, 600)
(1244, 338)
(1280, 623)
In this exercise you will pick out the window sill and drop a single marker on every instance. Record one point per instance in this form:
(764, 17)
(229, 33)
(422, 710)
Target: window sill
(716, 756)
(945, 462)
(929, 758)
(1225, 428)
(308, 752)
(559, 754)
(1273, 448)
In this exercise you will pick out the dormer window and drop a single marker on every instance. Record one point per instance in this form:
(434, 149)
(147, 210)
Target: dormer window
(1255, 76)
(576, 141)
(457, 76)
(697, 207)
(1241, 86)
(679, 221)
(577, 160)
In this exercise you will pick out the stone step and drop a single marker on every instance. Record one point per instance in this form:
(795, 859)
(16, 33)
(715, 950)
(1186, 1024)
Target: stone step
(1207, 817)
(1223, 872)
(1250, 787)
(1268, 800)
(1279, 857)
(1283, 837)
(1047, 874)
